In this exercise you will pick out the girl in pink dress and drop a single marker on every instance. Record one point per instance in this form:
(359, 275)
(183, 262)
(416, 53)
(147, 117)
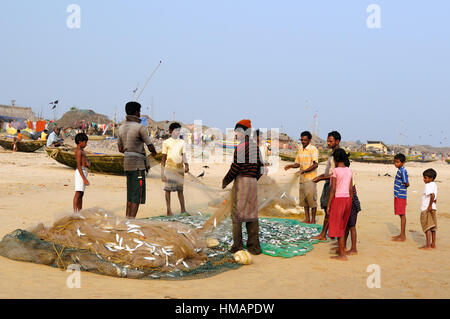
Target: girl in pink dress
(340, 202)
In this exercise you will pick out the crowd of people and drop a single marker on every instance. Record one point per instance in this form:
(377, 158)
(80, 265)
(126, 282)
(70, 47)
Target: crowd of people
(339, 199)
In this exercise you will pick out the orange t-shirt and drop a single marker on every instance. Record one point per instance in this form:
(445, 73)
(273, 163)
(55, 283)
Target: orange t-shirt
(19, 136)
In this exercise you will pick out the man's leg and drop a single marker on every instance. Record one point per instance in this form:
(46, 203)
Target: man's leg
(353, 250)
(307, 219)
(133, 210)
(253, 245)
(313, 215)
(181, 199)
(323, 234)
(169, 210)
(128, 214)
(237, 237)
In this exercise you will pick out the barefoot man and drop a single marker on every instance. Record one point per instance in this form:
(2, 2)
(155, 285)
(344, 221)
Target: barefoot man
(333, 140)
(132, 137)
(308, 161)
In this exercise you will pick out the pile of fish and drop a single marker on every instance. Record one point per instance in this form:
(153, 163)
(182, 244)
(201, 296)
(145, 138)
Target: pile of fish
(278, 237)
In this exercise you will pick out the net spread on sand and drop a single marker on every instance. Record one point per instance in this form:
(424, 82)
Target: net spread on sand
(163, 247)
(279, 237)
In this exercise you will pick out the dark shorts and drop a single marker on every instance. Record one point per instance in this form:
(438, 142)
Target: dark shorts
(356, 208)
(325, 196)
(136, 186)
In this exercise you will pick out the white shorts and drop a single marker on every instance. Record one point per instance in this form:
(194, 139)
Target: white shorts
(79, 184)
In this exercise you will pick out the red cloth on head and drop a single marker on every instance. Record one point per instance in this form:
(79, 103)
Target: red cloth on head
(247, 123)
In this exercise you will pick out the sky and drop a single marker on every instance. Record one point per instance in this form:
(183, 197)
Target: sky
(278, 63)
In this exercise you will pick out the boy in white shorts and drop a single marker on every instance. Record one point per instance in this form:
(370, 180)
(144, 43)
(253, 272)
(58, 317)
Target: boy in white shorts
(81, 172)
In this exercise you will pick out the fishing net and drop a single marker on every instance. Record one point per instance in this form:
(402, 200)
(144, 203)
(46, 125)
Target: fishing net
(101, 242)
(279, 237)
(163, 247)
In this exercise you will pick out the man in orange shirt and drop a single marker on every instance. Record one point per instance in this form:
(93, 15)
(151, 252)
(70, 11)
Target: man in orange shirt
(307, 160)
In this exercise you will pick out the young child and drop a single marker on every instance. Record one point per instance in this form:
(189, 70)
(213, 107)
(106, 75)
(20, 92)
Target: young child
(172, 171)
(17, 139)
(340, 201)
(81, 172)
(351, 224)
(401, 183)
(428, 209)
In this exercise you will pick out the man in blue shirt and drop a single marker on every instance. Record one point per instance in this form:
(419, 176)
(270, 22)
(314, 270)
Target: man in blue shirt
(401, 183)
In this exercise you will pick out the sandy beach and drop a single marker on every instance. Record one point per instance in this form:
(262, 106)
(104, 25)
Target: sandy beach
(35, 188)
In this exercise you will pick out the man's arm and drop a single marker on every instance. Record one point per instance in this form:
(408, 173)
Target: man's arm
(120, 144)
(152, 149)
(322, 177)
(311, 168)
(186, 164)
(332, 193)
(163, 165)
(289, 166)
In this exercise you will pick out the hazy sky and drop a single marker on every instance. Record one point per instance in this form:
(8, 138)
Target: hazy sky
(228, 60)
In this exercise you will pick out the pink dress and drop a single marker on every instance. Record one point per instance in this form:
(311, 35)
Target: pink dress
(341, 206)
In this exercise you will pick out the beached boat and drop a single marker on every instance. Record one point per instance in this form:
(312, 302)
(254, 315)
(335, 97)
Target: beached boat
(97, 137)
(290, 157)
(27, 146)
(100, 163)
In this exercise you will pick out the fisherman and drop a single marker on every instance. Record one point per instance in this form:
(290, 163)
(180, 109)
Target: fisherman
(172, 170)
(307, 160)
(52, 140)
(132, 137)
(245, 171)
(333, 140)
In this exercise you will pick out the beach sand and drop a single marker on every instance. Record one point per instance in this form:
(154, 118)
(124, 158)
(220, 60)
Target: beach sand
(35, 188)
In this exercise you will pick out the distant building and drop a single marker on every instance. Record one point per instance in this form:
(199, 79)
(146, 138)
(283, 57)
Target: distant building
(376, 147)
(10, 113)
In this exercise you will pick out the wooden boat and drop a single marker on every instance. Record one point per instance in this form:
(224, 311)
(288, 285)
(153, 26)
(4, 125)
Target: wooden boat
(290, 157)
(100, 163)
(27, 146)
(97, 137)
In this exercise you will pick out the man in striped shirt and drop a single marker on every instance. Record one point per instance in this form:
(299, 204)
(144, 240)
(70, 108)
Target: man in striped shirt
(401, 183)
(245, 171)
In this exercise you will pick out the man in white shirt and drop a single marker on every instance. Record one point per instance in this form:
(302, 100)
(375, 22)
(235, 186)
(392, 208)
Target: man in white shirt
(172, 171)
(428, 208)
(52, 140)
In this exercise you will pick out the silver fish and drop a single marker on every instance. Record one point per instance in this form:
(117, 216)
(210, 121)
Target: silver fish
(133, 226)
(110, 249)
(149, 258)
(80, 233)
(179, 261)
